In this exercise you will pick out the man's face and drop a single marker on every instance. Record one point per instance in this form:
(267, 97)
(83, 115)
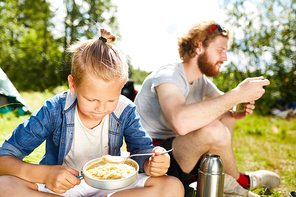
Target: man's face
(210, 61)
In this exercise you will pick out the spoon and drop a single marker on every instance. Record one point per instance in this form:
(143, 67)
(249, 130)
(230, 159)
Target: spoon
(120, 159)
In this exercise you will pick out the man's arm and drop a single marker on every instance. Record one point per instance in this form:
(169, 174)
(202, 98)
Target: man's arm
(186, 118)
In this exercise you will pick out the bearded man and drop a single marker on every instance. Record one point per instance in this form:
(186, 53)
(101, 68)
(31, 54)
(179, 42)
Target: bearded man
(182, 109)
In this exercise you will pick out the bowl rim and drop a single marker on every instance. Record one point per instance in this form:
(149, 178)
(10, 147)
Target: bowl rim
(109, 180)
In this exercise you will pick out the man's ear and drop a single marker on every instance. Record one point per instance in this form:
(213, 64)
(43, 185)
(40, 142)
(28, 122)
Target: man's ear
(71, 84)
(200, 49)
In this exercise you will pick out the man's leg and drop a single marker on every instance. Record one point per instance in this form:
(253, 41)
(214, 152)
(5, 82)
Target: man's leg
(214, 138)
(255, 179)
(228, 121)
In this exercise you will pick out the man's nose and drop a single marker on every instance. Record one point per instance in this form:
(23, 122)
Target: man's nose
(224, 57)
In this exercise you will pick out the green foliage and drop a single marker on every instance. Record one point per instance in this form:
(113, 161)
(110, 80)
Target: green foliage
(138, 75)
(83, 23)
(31, 56)
(264, 44)
(27, 47)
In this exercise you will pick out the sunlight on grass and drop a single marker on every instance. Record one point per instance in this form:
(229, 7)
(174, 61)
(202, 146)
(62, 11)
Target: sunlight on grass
(36, 155)
(267, 143)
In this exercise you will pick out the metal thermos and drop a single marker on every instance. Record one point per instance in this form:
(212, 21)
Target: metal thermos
(210, 177)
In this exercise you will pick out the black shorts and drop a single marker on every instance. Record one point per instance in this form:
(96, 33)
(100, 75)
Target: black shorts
(174, 168)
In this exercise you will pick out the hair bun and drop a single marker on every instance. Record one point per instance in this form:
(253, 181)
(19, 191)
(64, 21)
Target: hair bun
(107, 35)
(102, 38)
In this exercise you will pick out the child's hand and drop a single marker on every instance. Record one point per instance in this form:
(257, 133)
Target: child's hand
(61, 178)
(158, 164)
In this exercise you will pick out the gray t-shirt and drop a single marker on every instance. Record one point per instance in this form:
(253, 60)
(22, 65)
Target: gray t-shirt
(152, 117)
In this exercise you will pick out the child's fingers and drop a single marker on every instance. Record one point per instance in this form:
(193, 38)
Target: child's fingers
(158, 150)
(155, 171)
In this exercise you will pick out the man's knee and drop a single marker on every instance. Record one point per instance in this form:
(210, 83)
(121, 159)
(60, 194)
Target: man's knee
(217, 133)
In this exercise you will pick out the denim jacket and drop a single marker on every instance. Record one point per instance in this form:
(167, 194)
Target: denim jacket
(54, 123)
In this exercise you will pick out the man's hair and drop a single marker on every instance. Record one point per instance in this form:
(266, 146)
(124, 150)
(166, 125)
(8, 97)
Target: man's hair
(196, 34)
(98, 58)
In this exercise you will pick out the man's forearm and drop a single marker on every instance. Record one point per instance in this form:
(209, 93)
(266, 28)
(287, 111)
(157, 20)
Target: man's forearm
(196, 115)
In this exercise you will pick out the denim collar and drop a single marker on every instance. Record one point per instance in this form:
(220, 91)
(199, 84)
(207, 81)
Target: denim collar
(71, 98)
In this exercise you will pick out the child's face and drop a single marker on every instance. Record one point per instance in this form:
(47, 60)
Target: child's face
(96, 98)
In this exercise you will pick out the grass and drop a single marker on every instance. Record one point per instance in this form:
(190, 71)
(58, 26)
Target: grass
(9, 121)
(259, 143)
(267, 143)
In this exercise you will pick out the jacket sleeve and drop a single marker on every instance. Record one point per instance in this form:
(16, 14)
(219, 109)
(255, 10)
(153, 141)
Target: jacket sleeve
(28, 135)
(136, 137)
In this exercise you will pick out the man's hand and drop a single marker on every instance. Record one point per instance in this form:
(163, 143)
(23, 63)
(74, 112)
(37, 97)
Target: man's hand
(251, 89)
(248, 109)
(158, 164)
(61, 178)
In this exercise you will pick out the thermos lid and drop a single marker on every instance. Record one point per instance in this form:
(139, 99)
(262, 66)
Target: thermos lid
(212, 164)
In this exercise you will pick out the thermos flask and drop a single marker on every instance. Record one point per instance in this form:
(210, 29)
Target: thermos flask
(210, 177)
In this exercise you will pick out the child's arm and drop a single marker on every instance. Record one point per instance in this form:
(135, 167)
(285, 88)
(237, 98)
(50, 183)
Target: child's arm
(57, 178)
(159, 164)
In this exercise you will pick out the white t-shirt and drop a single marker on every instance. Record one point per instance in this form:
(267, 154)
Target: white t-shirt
(152, 117)
(87, 143)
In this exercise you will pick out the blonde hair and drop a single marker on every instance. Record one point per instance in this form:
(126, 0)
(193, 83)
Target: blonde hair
(98, 58)
(196, 34)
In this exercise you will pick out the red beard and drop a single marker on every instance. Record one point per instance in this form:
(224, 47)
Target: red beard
(206, 67)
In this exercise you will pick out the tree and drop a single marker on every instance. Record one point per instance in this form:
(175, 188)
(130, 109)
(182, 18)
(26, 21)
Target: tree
(265, 44)
(84, 21)
(24, 43)
(31, 56)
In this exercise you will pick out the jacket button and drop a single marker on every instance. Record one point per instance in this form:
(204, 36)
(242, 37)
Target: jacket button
(118, 125)
(115, 147)
(62, 141)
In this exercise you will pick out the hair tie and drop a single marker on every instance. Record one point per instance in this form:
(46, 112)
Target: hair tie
(102, 38)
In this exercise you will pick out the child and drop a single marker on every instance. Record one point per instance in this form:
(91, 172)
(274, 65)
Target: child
(85, 122)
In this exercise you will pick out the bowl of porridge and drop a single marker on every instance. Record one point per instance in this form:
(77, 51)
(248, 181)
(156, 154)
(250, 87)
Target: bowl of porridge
(107, 175)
